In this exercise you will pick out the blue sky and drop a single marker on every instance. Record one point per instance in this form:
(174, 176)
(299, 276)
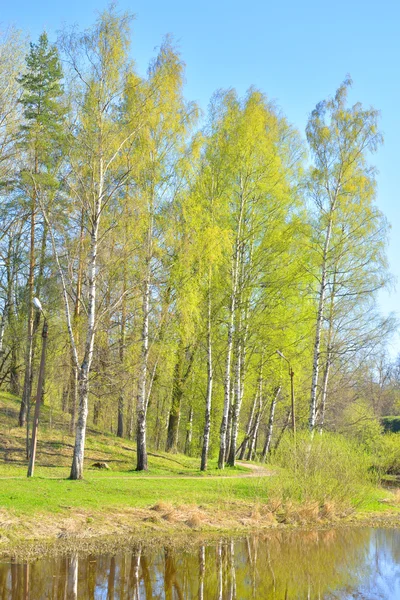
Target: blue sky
(296, 52)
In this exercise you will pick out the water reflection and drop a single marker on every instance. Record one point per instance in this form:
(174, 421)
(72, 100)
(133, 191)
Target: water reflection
(335, 564)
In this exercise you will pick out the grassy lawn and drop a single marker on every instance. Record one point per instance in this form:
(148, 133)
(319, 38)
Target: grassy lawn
(55, 447)
(101, 491)
(171, 478)
(173, 496)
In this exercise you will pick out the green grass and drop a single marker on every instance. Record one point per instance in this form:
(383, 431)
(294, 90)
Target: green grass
(102, 492)
(331, 470)
(55, 446)
(173, 478)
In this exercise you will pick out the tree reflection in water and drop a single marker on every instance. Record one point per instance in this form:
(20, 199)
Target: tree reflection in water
(333, 564)
(72, 577)
(202, 570)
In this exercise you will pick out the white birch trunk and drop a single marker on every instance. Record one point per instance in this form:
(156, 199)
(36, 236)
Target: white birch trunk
(232, 310)
(227, 379)
(189, 433)
(2, 328)
(324, 390)
(142, 400)
(84, 370)
(236, 402)
(141, 397)
(11, 317)
(318, 329)
(129, 423)
(257, 421)
(75, 398)
(333, 200)
(240, 363)
(27, 389)
(229, 424)
(267, 445)
(328, 361)
(249, 427)
(207, 422)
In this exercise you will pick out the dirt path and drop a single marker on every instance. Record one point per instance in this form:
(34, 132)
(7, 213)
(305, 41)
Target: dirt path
(255, 470)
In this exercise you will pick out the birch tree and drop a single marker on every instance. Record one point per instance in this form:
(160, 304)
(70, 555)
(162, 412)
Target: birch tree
(98, 58)
(259, 200)
(168, 122)
(352, 323)
(11, 65)
(342, 184)
(204, 217)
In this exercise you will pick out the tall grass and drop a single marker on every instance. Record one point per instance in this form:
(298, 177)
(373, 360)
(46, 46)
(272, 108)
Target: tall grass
(327, 468)
(386, 458)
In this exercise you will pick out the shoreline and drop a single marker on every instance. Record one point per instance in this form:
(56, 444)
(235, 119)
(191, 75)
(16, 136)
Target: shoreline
(160, 525)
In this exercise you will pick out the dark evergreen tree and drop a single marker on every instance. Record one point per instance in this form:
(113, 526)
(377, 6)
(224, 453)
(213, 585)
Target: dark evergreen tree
(41, 136)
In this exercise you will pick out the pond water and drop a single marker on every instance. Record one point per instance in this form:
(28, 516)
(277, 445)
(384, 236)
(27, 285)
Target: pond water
(341, 564)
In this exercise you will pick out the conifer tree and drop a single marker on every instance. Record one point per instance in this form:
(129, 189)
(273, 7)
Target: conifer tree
(41, 137)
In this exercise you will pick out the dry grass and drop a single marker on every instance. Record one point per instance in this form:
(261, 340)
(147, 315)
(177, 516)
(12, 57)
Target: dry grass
(171, 516)
(256, 511)
(82, 528)
(162, 507)
(191, 515)
(308, 513)
(196, 520)
(329, 510)
(393, 499)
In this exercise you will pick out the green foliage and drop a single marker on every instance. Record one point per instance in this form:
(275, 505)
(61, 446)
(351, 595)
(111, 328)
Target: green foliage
(325, 468)
(386, 458)
(43, 130)
(158, 224)
(361, 425)
(329, 472)
(348, 236)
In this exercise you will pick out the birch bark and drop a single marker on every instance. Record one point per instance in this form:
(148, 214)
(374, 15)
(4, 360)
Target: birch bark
(232, 311)
(267, 445)
(257, 420)
(141, 403)
(328, 362)
(242, 333)
(207, 420)
(236, 400)
(249, 427)
(84, 370)
(189, 433)
(321, 308)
